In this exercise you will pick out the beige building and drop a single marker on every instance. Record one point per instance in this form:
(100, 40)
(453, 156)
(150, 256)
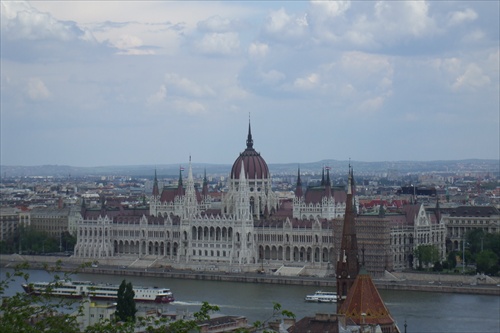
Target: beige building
(463, 219)
(53, 221)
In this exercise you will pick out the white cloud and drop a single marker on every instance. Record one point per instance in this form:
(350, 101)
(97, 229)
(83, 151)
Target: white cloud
(371, 105)
(127, 42)
(22, 21)
(459, 17)
(184, 86)
(217, 24)
(189, 107)
(306, 83)
(272, 77)
(219, 44)
(404, 17)
(158, 96)
(472, 78)
(37, 90)
(281, 26)
(258, 50)
(330, 8)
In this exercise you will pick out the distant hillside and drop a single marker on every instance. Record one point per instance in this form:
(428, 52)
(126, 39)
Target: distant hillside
(337, 167)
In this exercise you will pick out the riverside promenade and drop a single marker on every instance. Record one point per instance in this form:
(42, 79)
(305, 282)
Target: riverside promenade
(404, 281)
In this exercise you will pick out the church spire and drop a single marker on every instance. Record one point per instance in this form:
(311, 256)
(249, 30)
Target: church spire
(348, 262)
(298, 188)
(156, 191)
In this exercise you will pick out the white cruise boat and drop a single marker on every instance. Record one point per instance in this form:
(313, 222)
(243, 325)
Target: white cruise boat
(79, 289)
(322, 297)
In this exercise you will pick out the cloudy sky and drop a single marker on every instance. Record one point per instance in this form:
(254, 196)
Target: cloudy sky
(93, 83)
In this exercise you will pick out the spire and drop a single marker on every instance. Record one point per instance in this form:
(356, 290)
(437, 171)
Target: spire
(323, 177)
(190, 170)
(156, 191)
(180, 188)
(298, 189)
(204, 190)
(437, 211)
(328, 187)
(348, 263)
(249, 138)
(328, 176)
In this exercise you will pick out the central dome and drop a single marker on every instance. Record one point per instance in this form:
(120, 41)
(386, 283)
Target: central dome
(255, 166)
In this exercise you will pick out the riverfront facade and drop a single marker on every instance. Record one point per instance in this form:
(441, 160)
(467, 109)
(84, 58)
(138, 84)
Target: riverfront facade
(249, 228)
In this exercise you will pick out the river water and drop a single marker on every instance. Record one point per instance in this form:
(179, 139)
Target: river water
(422, 311)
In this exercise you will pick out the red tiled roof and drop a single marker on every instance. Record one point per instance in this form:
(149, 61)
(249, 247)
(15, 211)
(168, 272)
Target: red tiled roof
(365, 305)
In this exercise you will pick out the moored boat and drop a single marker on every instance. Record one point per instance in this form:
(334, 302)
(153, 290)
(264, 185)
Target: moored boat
(322, 297)
(78, 289)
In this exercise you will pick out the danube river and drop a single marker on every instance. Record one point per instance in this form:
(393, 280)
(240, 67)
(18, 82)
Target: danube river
(422, 311)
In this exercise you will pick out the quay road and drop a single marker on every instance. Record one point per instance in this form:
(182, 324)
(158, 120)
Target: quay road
(462, 284)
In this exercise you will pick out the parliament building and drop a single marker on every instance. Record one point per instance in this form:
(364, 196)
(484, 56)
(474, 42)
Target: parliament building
(250, 229)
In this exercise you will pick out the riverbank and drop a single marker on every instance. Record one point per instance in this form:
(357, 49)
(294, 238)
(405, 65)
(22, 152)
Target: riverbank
(404, 281)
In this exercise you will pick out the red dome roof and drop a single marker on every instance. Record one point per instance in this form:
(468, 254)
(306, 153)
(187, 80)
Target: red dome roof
(255, 166)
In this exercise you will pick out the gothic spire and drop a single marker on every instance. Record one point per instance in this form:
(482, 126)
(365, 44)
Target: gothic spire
(328, 187)
(204, 190)
(348, 263)
(298, 188)
(156, 191)
(249, 137)
(180, 187)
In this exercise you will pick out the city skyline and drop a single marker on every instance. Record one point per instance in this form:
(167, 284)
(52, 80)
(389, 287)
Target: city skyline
(139, 83)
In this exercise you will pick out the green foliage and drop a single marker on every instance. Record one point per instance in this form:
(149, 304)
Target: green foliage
(483, 249)
(487, 262)
(452, 259)
(31, 241)
(125, 307)
(438, 267)
(33, 314)
(426, 254)
(30, 313)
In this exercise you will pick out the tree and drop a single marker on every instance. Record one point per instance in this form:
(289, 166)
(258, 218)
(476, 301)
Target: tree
(452, 260)
(125, 306)
(426, 254)
(32, 314)
(487, 262)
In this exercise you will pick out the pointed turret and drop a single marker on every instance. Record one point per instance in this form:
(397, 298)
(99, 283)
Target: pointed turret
(190, 200)
(298, 189)
(437, 211)
(328, 185)
(156, 190)
(204, 190)
(180, 186)
(348, 262)
(249, 137)
(243, 202)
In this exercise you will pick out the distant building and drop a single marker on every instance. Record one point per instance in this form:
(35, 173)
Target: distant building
(411, 228)
(53, 220)
(9, 223)
(463, 219)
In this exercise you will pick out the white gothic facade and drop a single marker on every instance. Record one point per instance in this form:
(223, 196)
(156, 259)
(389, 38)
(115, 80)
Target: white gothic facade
(248, 230)
(183, 227)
